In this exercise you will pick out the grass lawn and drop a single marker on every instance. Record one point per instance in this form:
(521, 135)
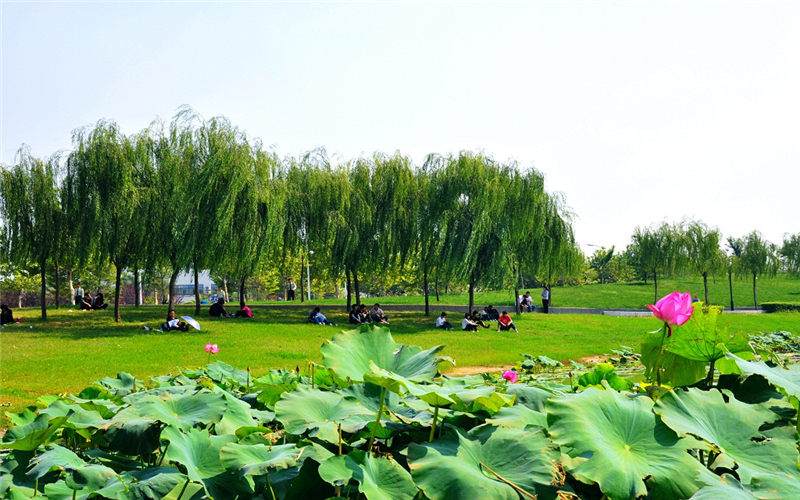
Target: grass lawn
(71, 350)
(623, 295)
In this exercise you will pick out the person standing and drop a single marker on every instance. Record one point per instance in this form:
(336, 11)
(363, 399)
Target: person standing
(545, 299)
(79, 294)
(291, 286)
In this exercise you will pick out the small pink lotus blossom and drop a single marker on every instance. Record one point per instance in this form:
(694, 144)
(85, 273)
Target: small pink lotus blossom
(673, 309)
(212, 348)
(510, 375)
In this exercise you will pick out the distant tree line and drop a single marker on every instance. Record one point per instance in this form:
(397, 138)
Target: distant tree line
(664, 250)
(196, 194)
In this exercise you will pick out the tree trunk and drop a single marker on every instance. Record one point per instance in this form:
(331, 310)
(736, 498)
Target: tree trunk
(58, 286)
(516, 300)
(225, 287)
(71, 287)
(302, 266)
(358, 288)
(705, 285)
(655, 285)
(241, 293)
(44, 294)
(436, 285)
(117, 291)
(136, 297)
(19, 299)
(349, 288)
(471, 292)
(425, 290)
(196, 293)
(172, 279)
(755, 297)
(730, 285)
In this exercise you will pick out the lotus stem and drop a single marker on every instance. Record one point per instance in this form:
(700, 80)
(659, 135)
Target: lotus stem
(248, 380)
(340, 440)
(183, 489)
(433, 428)
(660, 353)
(702, 459)
(710, 377)
(501, 478)
(313, 369)
(74, 494)
(161, 460)
(377, 420)
(797, 426)
(269, 485)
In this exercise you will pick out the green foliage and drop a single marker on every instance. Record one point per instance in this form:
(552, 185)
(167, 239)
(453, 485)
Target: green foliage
(772, 307)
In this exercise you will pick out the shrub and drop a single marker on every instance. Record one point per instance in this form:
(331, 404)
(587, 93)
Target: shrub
(772, 307)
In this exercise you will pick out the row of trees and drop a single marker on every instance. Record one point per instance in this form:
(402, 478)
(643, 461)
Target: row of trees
(197, 194)
(664, 249)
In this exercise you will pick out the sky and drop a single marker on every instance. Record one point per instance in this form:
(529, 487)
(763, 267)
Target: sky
(638, 112)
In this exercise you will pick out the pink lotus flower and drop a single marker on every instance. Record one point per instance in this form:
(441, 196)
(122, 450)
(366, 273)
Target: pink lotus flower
(212, 348)
(510, 375)
(673, 309)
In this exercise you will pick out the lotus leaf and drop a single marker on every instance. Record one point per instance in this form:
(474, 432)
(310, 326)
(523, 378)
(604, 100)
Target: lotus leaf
(306, 409)
(199, 453)
(518, 417)
(349, 355)
(183, 411)
(124, 384)
(33, 434)
(274, 384)
(620, 442)
(164, 392)
(491, 464)
(604, 372)
(26, 416)
(532, 397)
(786, 380)
(257, 460)
(79, 475)
(146, 484)
(676, 370)
(702, 340)
(732, 427)
(237, 414)
(13, 467)
(726, 487)
(378, 478)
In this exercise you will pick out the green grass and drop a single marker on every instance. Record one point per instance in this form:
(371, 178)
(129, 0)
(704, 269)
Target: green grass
(623, 295)
(71, 350)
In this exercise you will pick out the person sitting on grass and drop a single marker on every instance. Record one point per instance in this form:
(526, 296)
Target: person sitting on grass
(245, 312)
(467, 324)
(355, 317)
(316, 316)
(6, 316)
(376, 315)
(477, 320)
(86, 302)
(218, 309)
(504, 323)
(442, 323)
(99, 302)
(493, 314)
(174, 323)
(364, 314)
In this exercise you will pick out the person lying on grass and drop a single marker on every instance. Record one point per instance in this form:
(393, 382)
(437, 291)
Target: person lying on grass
(174, 323)
(504, 323)
(316, 316)
(442, 323)
(467, 324)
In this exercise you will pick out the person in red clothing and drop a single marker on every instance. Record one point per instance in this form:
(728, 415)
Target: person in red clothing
(504, 323)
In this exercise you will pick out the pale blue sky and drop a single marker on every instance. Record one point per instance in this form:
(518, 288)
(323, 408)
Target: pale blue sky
(636, 111)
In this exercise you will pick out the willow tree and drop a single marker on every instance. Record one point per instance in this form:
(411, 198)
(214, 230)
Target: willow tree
(31, 208)
(758, 256)
(104, 168)
(702, 246)
(657, 248)
(557, 248)
(790, 252)
(472, 246)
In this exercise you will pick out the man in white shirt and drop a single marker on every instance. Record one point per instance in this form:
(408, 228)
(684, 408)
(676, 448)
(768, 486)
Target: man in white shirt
(442, 323)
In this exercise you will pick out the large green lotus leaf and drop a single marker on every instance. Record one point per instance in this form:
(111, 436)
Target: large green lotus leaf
(518, 417)
(79, 417)
(162, 392)
(676, 370)
(17, 493)
(622, 442)
(732, 427)
(700, 339)
(199, 453)
(595, 377)
(30, 436)
(308, 485)
(273, 384)
(775, 486)
(257, 460)
(434, 395)
(132, 435)
(13, 476)
(183, 411)
(225, 374)
(532, 397)
(124, 384)
(486, 398)
(55, 458)
(369, 396)
(481, 464)
(306, 409)
(724, 487)
(26, 416)
(237, 414)
(349, 355)
(118, 462)
(145, 484)
(378, 478)
(787, 380)
(79, 474)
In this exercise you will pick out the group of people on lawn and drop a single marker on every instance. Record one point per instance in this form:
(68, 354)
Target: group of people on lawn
(471, 322)
(359, 315)
(86, 302)
(526, 302)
